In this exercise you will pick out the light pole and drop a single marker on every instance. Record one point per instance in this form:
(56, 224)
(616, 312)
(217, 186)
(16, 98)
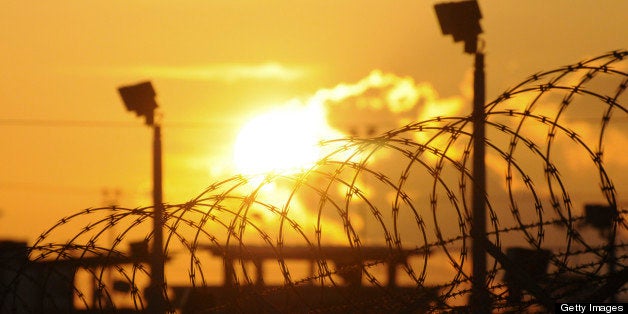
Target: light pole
(462, 21)
(140, 98)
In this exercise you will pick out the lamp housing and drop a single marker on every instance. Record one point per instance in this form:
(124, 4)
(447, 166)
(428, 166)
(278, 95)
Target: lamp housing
(140, 98)
(462, 21)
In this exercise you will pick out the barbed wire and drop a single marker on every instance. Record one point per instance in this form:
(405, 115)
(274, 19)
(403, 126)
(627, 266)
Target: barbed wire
(383, 222)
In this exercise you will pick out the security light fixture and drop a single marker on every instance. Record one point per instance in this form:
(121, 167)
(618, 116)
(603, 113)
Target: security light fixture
(140, 98)
(462, 20)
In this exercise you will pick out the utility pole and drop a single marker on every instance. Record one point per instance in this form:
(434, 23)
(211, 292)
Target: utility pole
(140, 98)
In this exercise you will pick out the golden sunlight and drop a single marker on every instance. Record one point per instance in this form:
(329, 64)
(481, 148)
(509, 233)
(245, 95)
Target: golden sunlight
(285, 140)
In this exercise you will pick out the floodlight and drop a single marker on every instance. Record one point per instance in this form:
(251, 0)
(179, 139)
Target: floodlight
(140, 98)
(462, 20)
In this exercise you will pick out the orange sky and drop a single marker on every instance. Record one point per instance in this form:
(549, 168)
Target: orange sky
(217, 64)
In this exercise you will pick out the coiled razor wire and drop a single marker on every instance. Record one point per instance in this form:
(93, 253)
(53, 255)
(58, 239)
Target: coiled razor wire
(378, 224)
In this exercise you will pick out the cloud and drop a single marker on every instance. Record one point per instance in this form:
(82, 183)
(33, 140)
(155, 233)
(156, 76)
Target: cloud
(218, 72)
(382, 101)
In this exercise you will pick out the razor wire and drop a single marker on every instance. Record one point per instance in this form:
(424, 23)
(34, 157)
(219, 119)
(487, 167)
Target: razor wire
(405, 192)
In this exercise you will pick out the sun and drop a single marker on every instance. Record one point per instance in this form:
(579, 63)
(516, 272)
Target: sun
(284, 140)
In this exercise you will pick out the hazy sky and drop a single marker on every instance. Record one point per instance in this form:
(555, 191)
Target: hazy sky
(66, 136)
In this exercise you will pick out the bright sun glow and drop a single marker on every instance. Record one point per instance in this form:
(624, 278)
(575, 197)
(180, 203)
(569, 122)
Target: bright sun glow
(284, 141)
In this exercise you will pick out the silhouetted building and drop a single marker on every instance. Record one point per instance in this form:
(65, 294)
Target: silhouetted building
(48, 285)
(348, 294)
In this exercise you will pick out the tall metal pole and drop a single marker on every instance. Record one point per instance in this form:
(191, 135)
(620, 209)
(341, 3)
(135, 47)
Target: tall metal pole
(480, 299)
(462, 21)
(140, 98)
(157, 303)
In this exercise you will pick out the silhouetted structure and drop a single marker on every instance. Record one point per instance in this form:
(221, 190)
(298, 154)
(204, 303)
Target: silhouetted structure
(307, 295)
(49, 286)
